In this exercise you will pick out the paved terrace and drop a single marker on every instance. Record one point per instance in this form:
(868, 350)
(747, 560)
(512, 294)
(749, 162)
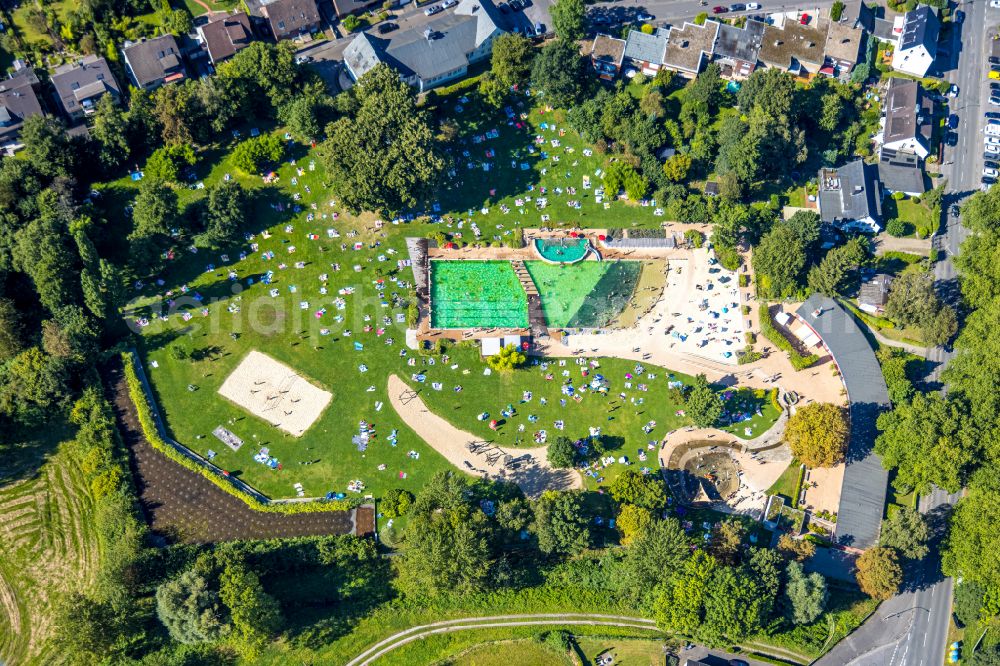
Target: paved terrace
(862, 496)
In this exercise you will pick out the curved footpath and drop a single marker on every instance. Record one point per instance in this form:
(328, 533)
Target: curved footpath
(533, 475)
(447, 626)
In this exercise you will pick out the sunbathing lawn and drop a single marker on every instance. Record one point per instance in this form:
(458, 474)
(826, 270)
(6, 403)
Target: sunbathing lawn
(351, 338)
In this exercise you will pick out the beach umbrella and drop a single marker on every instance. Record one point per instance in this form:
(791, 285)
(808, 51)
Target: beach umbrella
(601, 237)
(573, 234)
(493, 424)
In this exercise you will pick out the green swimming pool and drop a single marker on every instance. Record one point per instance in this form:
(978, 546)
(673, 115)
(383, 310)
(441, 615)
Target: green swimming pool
(476, 294)
(590, 294)
(562, 250)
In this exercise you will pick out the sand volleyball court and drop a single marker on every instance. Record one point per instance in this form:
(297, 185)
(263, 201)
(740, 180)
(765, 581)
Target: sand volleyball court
(276, 393)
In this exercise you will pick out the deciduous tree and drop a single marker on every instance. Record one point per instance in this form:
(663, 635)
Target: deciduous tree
(702, 404)
(632, 522)
(806, 594)
(878, 572)
(561, 524)
(190, 609)
(559, 74)
(561, 453)
(817, 434)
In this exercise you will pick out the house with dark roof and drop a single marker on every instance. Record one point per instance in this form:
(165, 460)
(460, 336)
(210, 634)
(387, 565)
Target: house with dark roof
(80, 84)
(151, 63)
(858, 14)
(795, 48)
(850, 197)
(645, 52)
(737, 49)
(908, 116)
(288, 19)
(689, 47)
(874, 294)
(917, 46)
(606, 56)
(224, 35)
(900, 171)
(18, 102)
(439, 51)
(344, 7)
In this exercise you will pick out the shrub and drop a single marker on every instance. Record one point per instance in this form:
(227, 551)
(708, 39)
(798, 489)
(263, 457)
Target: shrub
(837, 10)
(897, 228)
(694, 237)
(351, 23)
(506, 359)
(166, 163)
(396, 502)
(646, 29)
(744, 280)
(701, 18)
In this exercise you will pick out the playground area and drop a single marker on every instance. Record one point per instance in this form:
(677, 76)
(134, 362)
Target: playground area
(275, 393)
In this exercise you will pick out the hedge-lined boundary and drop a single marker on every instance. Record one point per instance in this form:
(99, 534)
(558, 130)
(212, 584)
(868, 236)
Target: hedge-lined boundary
(799, 360)
(192, 462)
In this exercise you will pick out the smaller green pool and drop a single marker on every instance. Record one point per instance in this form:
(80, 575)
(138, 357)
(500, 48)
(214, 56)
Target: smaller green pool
(562, 250)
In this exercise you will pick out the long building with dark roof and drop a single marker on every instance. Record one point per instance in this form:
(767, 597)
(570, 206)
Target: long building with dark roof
(863, 493)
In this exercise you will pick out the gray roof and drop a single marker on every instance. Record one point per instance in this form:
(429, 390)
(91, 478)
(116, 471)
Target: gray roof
(858, 15)
(862, 496)
(876, 291)
(900, 171)
(646, 48)
(920, 27)
(81, 80)
(883, 29)
(740, 43)
(224, 35)
(18, 102)
(152, 60)
(452, 36)
(849, 192)
(689, 45)
(908, 112)
(290, 17)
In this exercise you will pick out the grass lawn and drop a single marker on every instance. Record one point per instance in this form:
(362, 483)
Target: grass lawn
(230, 312)
(786, 483)
(46, 538)
(626, 651)
(919, 216)
(216, 5)
(503, 653)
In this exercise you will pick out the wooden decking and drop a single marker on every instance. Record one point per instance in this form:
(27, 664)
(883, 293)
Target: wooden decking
(536, 317)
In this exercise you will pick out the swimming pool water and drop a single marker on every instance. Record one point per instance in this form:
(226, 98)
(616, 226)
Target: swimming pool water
(476, 294)
(564, 250)
(589, 294)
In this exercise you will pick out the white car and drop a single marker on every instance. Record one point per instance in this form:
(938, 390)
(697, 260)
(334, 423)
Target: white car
(992, 140)
(753, 5)
(431, 11)
(995, 4)
(645, 18)
(992, 148)
(447, 4)
(991, 173)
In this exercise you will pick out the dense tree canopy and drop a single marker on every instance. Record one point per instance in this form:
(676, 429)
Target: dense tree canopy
(560, 523)
(817, 434)
(189, 609)
(878, 572)
(702, 404)
(559, 74)
(384, 157)
(806, 594)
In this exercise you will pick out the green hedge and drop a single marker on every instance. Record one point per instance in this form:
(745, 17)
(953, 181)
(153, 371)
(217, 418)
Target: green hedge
(152, 434)
(799, 361)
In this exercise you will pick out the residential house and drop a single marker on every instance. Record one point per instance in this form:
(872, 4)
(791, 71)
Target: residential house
(908, 116)
(224, 35)
(737, 49)
(858, 14)
(151, 63)
(344, 7)
(846, 46)
(850, 197)
(80, 84)
(439, 51)
(287, 19)
(18, 102)
(645, 52)
(793, 47)
(917, 47)
(606, 56)
(901, 172)
(689, 47)
(874, 294)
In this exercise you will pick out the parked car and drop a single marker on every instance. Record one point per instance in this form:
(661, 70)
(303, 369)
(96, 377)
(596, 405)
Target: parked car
(994, 60)
(432, 10)
(994, 100)
(994, 85)
(385, 28)
(645, 18)
(959, 16)
(988, 180)
(447, 4)
(994, 74)
(953, 121)
(991, 140)
(719, 10)
(955, 210)
(991, 164)
(301, 60)
(991, 173)
(953, 91)
(992, 148)
(753, 5)
(995, 4)
(992, 114)
(737, 7)
(539, 28)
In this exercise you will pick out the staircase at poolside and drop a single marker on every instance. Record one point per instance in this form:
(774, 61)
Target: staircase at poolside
(536, 317)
